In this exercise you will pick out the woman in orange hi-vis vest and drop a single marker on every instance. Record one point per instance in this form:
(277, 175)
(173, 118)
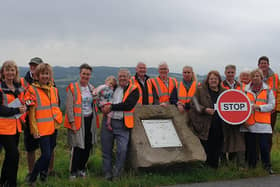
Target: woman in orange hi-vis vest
(182, 95)
(10, 125)
(259, 123)
(44, 117)
(81, 119)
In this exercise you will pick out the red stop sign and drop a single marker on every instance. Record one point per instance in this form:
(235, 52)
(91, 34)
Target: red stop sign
(233, 106)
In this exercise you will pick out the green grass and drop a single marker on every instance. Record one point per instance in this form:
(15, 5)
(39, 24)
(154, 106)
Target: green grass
(155, 177)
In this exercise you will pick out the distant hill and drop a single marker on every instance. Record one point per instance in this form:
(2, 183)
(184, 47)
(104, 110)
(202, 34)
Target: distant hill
(63, 76)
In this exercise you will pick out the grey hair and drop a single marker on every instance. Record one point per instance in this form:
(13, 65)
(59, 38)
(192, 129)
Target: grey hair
(126, 71)
(163, 63)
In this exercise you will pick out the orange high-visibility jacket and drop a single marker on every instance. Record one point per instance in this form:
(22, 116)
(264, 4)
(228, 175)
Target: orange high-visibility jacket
(260, 99)
(272, 82)
(75, 89)
(162, 91)
(10, 125)
(239, 86)
(278, 98)
(24, 83)
(47, 111)
(128, 115)
(150, 91)
(185, 96)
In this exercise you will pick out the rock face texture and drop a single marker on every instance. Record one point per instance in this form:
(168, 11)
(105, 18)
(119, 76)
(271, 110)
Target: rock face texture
(143, 155)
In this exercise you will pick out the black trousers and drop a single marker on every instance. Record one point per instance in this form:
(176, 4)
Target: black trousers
(80, 156)
(251, 142)
(213, 146)
(10, 164)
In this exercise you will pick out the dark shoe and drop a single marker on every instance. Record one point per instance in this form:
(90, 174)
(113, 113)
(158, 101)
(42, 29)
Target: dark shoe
(270, 171)
(108, 176)
(43, 176)
(117, 174)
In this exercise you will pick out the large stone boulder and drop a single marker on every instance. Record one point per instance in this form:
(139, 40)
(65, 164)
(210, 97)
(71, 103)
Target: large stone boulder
(141, 152)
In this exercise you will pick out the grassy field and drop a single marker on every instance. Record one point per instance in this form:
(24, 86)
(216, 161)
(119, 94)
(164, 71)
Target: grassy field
(194, 172)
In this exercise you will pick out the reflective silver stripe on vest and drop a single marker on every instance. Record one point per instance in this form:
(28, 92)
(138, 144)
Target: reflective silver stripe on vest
(5, 99)
(44, 120)
(77, 105)
(160, 93)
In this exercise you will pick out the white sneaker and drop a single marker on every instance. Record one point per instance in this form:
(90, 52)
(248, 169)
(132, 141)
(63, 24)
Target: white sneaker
(82, 173)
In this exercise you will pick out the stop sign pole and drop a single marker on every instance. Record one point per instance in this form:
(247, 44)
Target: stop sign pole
(233, 106)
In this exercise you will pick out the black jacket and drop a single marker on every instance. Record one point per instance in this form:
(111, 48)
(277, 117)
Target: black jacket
(129, 103)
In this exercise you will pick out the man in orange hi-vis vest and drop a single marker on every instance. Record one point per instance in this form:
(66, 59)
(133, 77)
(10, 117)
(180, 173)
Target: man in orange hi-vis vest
(142, 81)
(164, 84)
(187, 87)
(271, 79)
(125, 98)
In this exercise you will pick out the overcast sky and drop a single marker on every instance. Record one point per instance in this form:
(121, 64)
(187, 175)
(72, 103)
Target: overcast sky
(204, 34)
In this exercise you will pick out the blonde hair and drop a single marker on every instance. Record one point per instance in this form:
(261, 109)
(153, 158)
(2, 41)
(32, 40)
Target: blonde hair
(193, 74)
(253, 72)
(42, 68)
(111, 79)
(10, 64)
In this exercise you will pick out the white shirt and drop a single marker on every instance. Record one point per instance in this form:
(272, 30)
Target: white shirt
(87, 100)
(117, 98)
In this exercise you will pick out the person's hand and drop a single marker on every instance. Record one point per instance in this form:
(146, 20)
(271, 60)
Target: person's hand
(22, 109)
(256, 107)
(163, 104)
(73, 127)
(210, 111)
(36, 136)
(106, 109)
(246, 125)
(181, 108)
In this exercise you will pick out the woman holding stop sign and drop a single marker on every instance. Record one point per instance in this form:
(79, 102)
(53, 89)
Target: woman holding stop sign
(259, 123)
(205, 120)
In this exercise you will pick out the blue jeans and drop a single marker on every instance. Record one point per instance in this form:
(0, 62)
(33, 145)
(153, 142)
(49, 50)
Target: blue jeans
(119, 133)
(47, 145)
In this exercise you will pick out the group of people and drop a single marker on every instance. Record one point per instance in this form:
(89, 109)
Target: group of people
(32, 103)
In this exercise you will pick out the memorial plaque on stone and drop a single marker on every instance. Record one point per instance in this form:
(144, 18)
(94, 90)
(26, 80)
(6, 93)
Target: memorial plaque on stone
(161, 136)
(161, 133)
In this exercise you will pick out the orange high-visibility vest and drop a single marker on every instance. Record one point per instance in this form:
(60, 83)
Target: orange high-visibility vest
(24, 83)
(240, 86)
(185, 96)
(162, 91)
(128, 115)
(10, 125)
(278, 98)
(77, 106)
(150, 91)
(47, 110)
(257, 116)
(272, 82)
